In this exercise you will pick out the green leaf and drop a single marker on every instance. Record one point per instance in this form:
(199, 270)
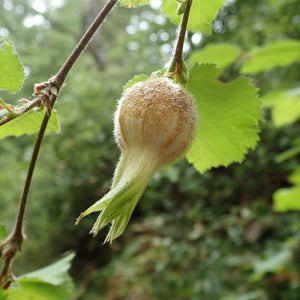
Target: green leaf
(221, 54)
(133, 80)
(277, 54)
(143, 77)
(229, 117)
(56, 273)
(284, 105)
(295, 176)
(36, 291)
(11, 70)
(3, 232)
(2, 295)
(50, 283)
(29, 123)
(132, 3)
(202, 14)
(287, 199)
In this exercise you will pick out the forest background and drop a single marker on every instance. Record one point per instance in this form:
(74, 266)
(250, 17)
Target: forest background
(230, 233)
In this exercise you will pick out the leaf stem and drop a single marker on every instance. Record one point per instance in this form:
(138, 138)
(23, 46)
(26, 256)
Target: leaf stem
(21, 110)
(177, 65)
(10, 111)
(47, 93)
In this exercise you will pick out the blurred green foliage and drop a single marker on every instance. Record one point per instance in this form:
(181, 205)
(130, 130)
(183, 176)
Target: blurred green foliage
(210, 236)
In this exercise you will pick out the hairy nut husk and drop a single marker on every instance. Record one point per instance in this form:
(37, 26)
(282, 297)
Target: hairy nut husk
(155, 123)
(158, 114)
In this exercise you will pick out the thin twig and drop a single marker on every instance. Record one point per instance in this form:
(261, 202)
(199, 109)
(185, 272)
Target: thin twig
(23, 109)
(177, 60)
(37, 146)
(182, 32)
(47, 93)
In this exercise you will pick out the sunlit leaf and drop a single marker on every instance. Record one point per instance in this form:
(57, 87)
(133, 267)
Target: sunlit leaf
(11, 70)
(29, 123)
(56, 273)
(3, 232)
(202, 14)
(277, 54)
(287, 199)
(132, 3)
(221, 54)
(135, 79)
(50, 283)
(143, 77)
(36, 290)
(229, 117)
(285, 106)
(295, 177)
